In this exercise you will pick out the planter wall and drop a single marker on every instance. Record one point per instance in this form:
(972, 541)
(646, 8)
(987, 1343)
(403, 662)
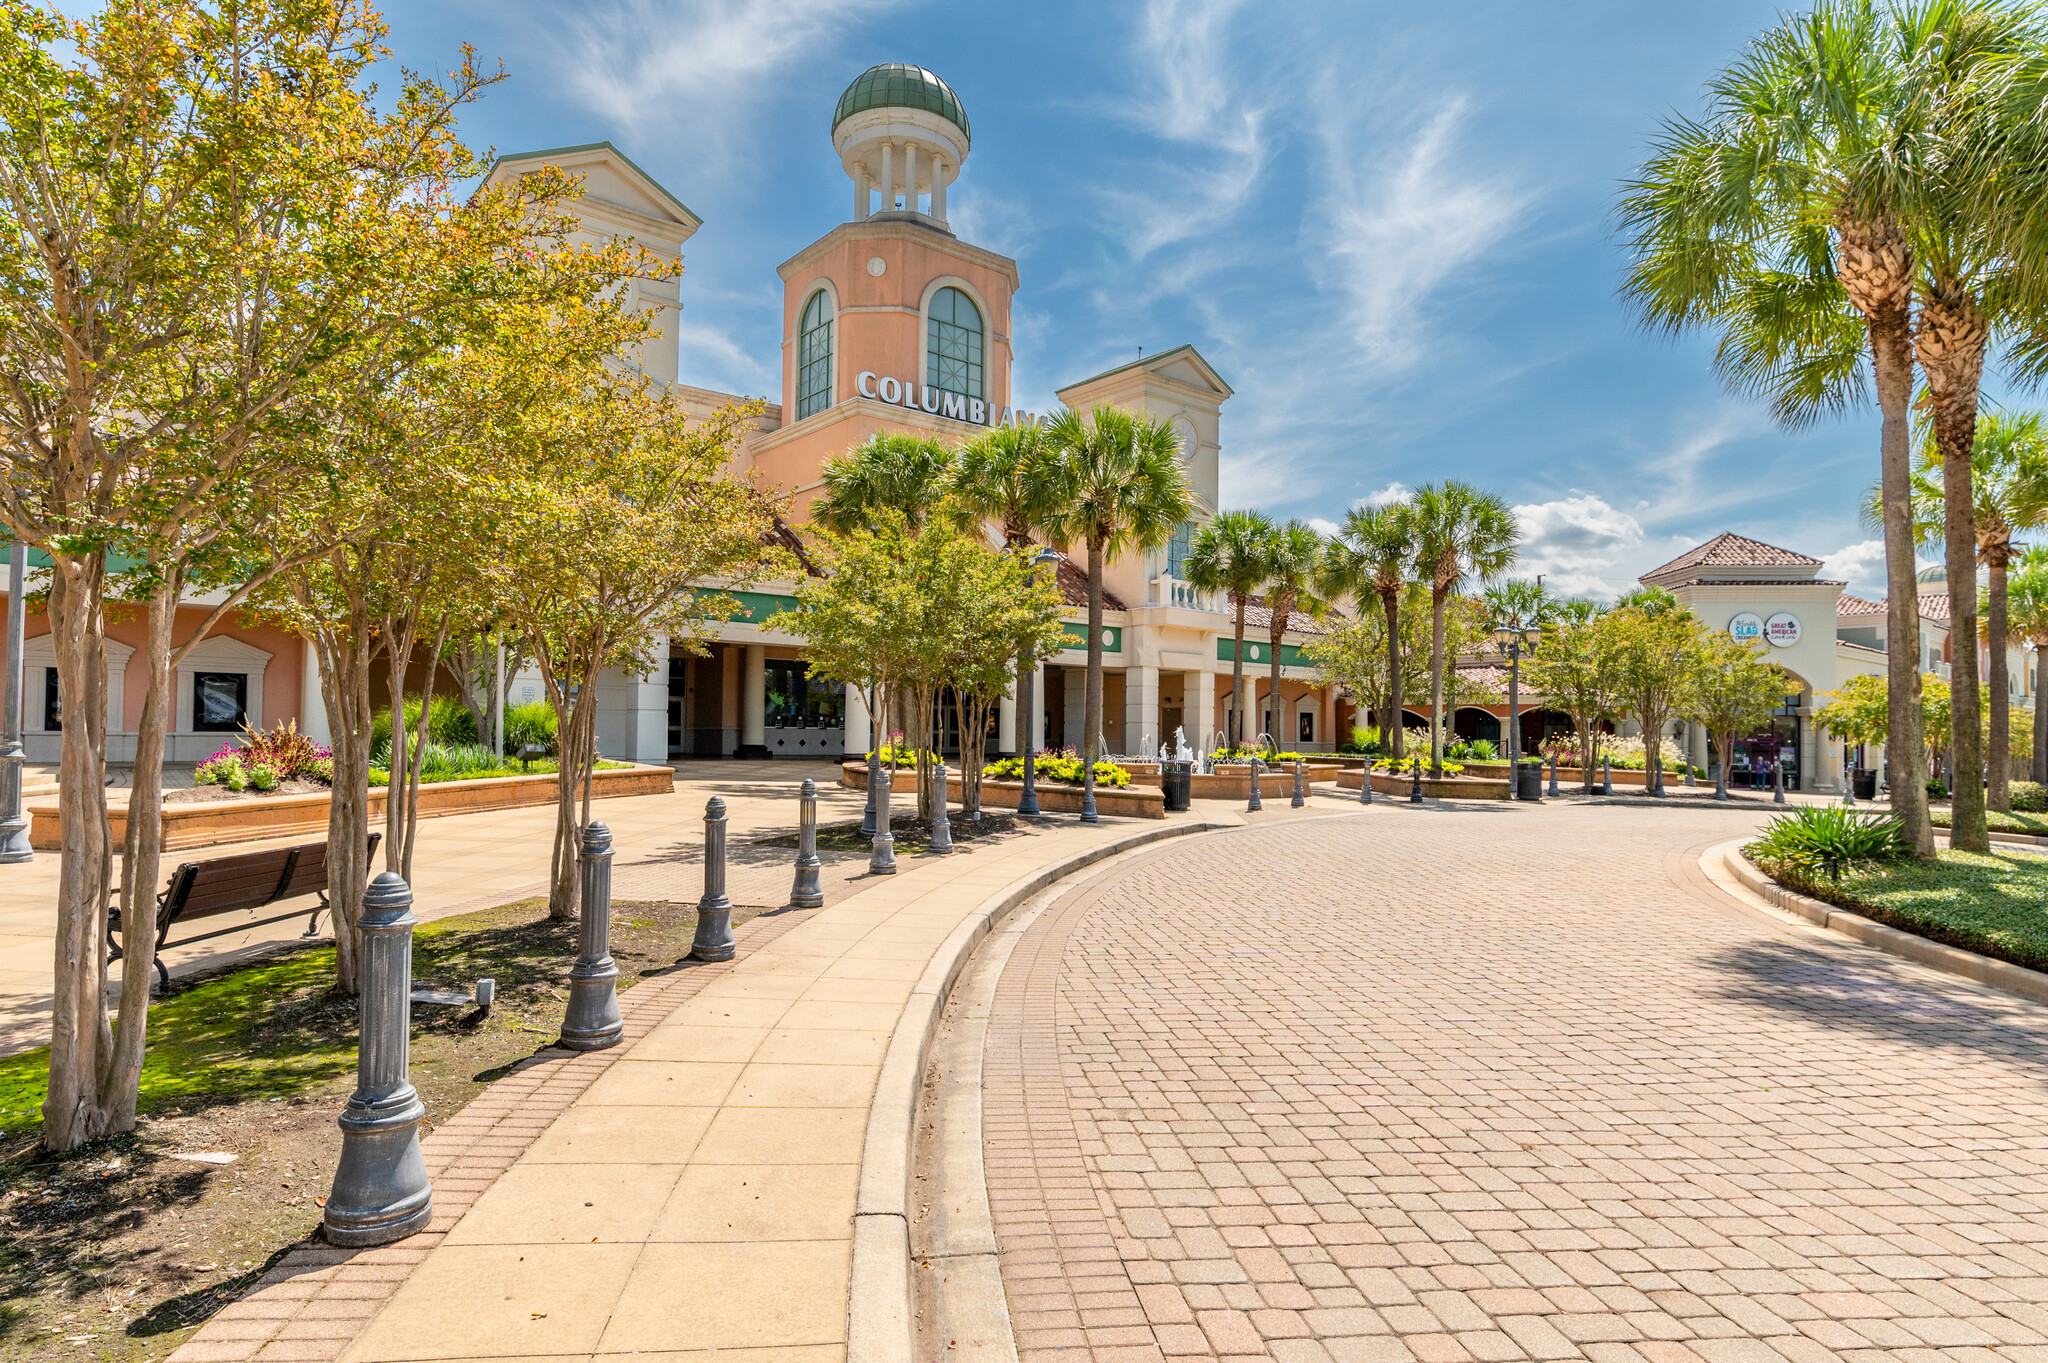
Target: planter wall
(1450, 788)
(1570, 779)
(285, 816)
(1129, 802)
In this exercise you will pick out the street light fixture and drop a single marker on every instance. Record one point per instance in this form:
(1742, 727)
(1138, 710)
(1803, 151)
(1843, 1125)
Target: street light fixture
(14, 846)
(1515, 638)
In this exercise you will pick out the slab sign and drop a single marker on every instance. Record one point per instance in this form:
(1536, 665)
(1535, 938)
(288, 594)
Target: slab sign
(1782, 629)
(1746, 627)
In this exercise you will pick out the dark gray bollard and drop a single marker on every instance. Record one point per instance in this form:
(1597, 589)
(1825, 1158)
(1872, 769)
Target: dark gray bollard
(807, 892)
(1415, 783)
(1088, 814)
(380, 1191)
(1606, 776)
(867, 820)
(1255, 803)
(942, 823)
(1553, 792)
(1849, 789)
(1300, 798)
(714, 911)
(882, 860)
(1777, 783)
(1365, 781)
(592, 1020)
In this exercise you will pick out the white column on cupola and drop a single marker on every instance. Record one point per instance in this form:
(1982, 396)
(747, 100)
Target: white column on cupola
(910, 177)
(888, 177)
(938, 189)
(860, 193)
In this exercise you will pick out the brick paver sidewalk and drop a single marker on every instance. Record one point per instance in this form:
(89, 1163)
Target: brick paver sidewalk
(1451, 1083)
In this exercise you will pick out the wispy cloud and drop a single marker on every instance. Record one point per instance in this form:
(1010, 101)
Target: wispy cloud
(644, 66)
(1861, 565)
(1581, 544)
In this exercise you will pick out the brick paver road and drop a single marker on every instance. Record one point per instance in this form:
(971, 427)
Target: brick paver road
(1498, 1084)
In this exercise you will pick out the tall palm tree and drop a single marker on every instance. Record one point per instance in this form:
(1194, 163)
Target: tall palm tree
(2009, 483)
(1462, 535)
(1292, 583)
(2027, 599)
(907, 473)
(1128, 491)
(1229, 555)
(1371, 556)
(1780, 219)
(1013, 476)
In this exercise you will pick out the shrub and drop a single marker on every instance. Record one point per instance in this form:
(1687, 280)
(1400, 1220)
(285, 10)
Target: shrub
(1828, 840)
(1404, 765)
(1364, 739)
(262, 775)
(1477, 750)
(219, 768)
(448, 721)
(2029, 797)
(900, 757)
(1937, 789)
(1247, 754)
(533, 722)
(284, 750)
(1062, 765)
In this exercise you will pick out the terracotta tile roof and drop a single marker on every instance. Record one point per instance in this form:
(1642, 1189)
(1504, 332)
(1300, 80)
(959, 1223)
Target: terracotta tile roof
(1074, 586)
(1934, 605)
(1258, 617)
(1752, 582)
(1730, 550)
(1858, 605)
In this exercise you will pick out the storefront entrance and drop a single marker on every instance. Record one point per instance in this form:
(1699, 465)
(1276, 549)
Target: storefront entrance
(1755, 752)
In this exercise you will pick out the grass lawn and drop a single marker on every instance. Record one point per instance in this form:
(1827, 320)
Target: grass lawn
(1994, 904)
(118, 1251)
(1998, 822)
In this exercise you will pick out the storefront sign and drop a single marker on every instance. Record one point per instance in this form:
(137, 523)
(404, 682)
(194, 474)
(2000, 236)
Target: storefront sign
(1746, 627)
(1782, 629)
(937, 402)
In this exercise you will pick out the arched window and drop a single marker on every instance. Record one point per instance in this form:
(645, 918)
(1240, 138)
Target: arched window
(814, 357)
(953, 347)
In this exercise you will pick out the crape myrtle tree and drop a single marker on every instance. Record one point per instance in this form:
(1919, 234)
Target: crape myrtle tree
(1579, 671)
(1731, 690)
(1370, 557)
(202, 210)
(1658, 652)
(1126, 491)
(622, 513)
(1229, 554)
(1463, 537)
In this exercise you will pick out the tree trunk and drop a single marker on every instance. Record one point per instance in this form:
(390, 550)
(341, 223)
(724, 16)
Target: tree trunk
(416, 766)
(1392, 733)
(1998, 678)
(80, 1038)
(1279, 740)
(342, 652)
(564, 889)
(1950, 343)
(2040, 714)
(1234, 718)
(1092, 713)
(1437, 596)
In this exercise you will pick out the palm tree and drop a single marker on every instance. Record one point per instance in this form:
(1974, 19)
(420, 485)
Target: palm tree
(1370, 556)
(1013, 476)
(1461, 535)
(2027, 600)
(1292, 582)
(2009, 482)
(1228, 555)
(1519, 605)
(905, 473)
(1128, 491)
(1781, 219)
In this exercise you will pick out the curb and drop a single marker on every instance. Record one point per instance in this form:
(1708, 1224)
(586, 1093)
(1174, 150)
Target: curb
(879, 1312)
(2003, 975)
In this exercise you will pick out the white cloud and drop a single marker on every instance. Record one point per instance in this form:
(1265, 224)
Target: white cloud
(1399, 237)
(642, 64)
(1393, 492)
(1580, 544)
(1323, 527)
(1861, 565)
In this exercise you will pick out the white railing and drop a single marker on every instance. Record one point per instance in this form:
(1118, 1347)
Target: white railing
(1171, 591)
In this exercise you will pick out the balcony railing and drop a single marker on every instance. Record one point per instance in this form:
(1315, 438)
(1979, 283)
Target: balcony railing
(1171, 591)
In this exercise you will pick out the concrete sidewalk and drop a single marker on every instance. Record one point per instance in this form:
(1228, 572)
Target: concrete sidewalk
(693, 1190)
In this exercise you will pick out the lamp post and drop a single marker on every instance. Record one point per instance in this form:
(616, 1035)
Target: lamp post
(13, 826)
(1027, 803)
(1514, 638)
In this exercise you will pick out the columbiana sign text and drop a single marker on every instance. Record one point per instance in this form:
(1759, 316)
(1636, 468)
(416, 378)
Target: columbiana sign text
(937, 402)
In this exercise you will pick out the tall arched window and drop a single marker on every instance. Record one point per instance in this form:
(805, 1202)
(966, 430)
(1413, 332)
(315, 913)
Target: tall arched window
(814, 357)
(953, 347)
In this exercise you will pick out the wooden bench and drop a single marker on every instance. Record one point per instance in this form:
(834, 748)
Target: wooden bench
(250, 880)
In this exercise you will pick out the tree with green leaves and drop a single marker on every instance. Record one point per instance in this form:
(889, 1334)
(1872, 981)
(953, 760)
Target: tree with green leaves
(1127, 491)
(1659, 654)
(1013, 476)
(1228, 557)
(1292, 583)
(1783, 221)
(1731, 690)
(1371, 558)
(2027, 603)
(908, 474)
(1579, 670)
(1523, 608)
(1463, 537)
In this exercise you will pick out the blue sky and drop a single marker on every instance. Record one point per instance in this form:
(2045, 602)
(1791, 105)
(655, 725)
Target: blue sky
(1387, 226)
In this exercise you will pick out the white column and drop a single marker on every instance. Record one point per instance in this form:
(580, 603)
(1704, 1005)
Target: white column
(857, 725)
(1037, 739)
(754, 697)
(1698, 733)
(938, 189)
(647, 722)
(1141, 711)
(1006, 721)
(888, 176)
(312, 709)
(860, 193)
(1199, 709)
(910, 176)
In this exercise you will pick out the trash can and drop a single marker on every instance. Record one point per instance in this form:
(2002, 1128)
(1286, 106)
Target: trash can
(1175, 778)
(1866, 785)
(1529, 781)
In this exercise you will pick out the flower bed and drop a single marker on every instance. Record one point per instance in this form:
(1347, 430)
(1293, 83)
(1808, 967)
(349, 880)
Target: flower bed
(1449, 788)
(1130, 801)
(256, 817)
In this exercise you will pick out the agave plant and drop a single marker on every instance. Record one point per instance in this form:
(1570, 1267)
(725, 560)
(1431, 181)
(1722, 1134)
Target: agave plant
(1826, 839)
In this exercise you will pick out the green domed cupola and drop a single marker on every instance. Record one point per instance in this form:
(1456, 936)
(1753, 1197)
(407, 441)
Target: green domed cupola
(895, 85)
